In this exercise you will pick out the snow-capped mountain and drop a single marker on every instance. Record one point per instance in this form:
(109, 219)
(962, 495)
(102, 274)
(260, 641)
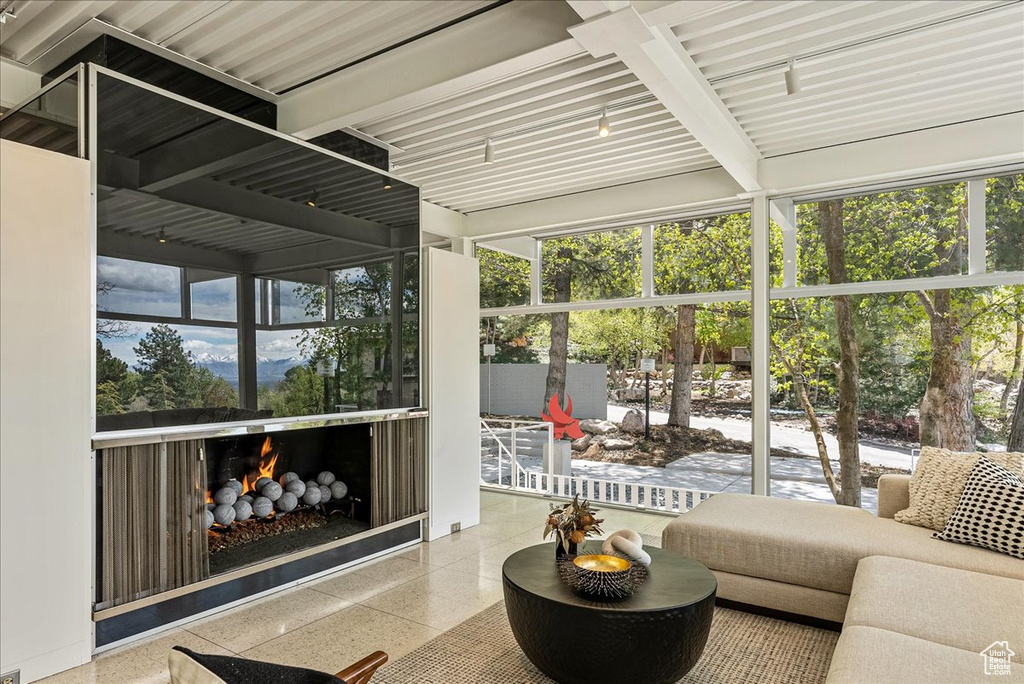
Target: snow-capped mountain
(268, 371)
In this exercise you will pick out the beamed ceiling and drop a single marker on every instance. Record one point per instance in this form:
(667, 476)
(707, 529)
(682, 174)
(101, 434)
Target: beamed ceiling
(866, 69)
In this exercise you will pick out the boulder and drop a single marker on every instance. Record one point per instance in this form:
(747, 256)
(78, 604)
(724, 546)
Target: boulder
(582, 443)
(598, 427)
(592, 452)
(633, 422)
(617, 444)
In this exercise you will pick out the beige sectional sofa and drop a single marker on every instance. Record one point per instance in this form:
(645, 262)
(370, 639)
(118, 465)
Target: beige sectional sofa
(913, 608)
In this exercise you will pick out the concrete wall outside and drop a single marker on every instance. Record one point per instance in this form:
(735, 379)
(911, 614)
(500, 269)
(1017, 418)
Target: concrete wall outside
(517, 389)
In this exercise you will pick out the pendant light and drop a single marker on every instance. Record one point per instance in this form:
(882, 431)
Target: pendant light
(488, 152)
(604, 129)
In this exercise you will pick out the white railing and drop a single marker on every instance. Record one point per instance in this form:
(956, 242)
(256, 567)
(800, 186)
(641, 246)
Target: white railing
(539, 478)
(494, 432)
(650, 497)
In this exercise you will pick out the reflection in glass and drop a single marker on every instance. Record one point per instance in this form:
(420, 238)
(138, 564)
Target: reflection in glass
(189, 205)
(136, 287)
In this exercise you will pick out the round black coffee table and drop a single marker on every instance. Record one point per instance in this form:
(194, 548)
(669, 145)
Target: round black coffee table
(652, 637)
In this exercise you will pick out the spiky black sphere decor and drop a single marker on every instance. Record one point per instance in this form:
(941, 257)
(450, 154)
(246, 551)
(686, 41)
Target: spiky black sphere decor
(602, 576)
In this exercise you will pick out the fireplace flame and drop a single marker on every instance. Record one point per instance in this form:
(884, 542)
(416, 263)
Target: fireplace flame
(268, 459)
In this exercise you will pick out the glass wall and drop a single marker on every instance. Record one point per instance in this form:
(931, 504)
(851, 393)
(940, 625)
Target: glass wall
(896, 321)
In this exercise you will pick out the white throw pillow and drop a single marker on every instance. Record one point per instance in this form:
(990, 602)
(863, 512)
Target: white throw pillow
(938, 482)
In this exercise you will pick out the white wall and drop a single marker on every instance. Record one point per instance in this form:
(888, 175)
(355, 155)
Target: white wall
(453, 391)
(46, 351)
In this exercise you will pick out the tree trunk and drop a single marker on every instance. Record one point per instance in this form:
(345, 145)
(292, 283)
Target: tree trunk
(1016, 439)
(800, 387)
(714, 370)
(1011, 379)
(848, 370)
(682, 372)
(947, 409)
(558, 352)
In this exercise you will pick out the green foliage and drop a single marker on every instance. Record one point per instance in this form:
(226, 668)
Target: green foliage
(703, 255)
(504, 279)
(301, 393)
(602, 265)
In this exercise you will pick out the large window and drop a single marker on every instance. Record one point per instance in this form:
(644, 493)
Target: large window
(137, 287)
(864, 377)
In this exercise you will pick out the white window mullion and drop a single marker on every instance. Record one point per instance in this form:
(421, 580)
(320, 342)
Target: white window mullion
(976, 232)
(647, 261)
(760, 466)
(535, 274)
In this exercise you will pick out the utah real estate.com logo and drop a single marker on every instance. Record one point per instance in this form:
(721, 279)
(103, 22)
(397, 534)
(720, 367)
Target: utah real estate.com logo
(997, 658)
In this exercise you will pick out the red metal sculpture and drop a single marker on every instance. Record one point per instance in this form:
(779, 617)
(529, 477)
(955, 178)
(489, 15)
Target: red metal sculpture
(563, 422)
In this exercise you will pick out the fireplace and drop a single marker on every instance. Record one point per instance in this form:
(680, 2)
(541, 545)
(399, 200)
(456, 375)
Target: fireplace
(161, 558)
(271, 495)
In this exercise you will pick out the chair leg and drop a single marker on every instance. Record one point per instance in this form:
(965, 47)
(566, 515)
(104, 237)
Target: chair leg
(360, 672)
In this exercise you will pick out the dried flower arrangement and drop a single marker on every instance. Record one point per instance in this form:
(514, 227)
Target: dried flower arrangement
(573, 522)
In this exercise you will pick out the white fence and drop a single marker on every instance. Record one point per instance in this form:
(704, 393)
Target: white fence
(504, 444)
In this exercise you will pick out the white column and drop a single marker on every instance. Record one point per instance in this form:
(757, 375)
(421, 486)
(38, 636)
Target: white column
(453, 390)
(760, 467)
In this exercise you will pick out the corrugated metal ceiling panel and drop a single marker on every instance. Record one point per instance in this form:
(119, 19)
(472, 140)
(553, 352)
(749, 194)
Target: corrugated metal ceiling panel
(866, 69)
(274, 45)
(544, 126)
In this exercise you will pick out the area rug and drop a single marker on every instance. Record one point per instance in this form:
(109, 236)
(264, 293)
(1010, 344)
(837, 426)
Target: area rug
(742, 648)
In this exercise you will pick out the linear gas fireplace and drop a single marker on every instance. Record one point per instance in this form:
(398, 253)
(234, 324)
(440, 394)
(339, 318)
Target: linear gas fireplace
(270, 502)
(270, 495)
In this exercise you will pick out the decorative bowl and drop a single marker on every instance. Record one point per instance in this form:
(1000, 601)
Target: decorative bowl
(602, 575)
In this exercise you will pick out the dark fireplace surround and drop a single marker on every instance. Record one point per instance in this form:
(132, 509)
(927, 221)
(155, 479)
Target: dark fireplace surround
(156, 559)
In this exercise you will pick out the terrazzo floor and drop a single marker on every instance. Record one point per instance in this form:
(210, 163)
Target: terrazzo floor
(394, 603)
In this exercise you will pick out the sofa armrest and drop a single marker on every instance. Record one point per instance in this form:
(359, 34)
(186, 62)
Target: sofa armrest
(893, 494)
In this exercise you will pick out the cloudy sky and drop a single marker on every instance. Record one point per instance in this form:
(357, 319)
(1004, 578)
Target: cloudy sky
(154, 289)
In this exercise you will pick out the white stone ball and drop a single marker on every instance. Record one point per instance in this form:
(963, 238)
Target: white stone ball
(225, 495)
(312, 495)
(247, 498)
(262, 507)
(272, 491)
(224, 514)
(243, 510)
(325, 478)
(210, 507)
(296, 487)
(338, 489)
(286, 502)
(325, 493)
(288, 477)
(209, 518)
(234, 484)
(262, 482)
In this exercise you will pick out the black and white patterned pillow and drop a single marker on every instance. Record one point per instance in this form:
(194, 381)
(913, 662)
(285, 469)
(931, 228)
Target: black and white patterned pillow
(990, 513)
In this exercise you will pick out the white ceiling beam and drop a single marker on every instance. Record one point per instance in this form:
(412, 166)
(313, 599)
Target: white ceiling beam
(437, 220)
(523, 246)
(661, 63)
(953, 149)
(504, 41)
(17, 83)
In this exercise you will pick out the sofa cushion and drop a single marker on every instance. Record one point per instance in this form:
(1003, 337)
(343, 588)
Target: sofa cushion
(990, 513)
(868, 655)
(967, 610)
(938, 481)
(797, 542)
(890, 538)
